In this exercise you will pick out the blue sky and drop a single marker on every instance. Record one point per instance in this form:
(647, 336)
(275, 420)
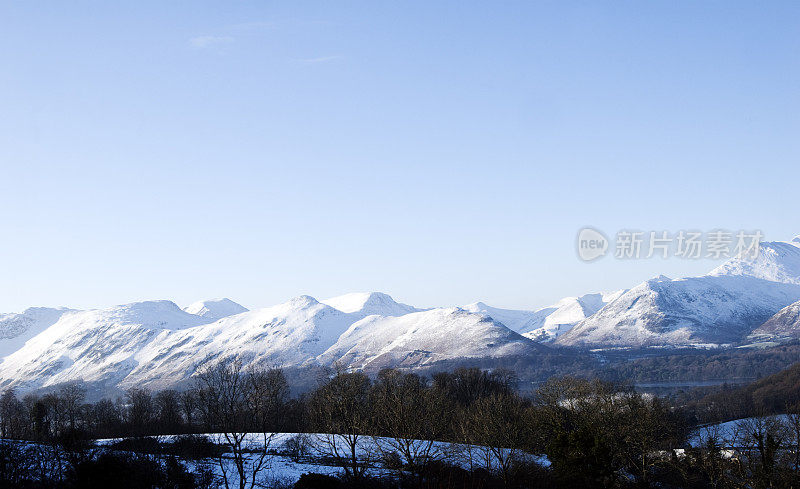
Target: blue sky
(443, 152)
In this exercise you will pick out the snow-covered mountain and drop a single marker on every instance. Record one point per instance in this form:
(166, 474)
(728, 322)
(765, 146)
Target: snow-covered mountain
(425, 337)
(518, 320)
(95, 346)
(548, 323)
(289, 334)
(786, 323)
(567, 312)
(778, 261)
(17, 328)
(722, 307)
(368, 303)
(156, 344)
(214, 309)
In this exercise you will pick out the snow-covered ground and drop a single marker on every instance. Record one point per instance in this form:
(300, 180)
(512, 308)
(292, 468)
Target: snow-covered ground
(726, 432)
(282, 467)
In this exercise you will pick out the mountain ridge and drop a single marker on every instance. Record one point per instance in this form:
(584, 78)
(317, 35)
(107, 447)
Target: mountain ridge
(721, 307)
(157, 344)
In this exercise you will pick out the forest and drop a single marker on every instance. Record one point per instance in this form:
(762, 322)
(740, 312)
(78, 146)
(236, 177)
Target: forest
(467, 428)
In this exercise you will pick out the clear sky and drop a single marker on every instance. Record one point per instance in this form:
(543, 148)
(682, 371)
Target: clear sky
(442, 152)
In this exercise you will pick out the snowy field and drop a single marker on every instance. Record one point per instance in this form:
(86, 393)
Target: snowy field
(727, 432)
(283, 467)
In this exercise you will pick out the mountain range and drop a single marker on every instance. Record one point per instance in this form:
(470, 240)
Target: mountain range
(722, 307)
(156, 344)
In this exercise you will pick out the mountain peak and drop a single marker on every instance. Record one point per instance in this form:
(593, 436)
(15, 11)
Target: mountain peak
(37, 310)
(369, 303)
(159, 314)
(215, 309)
(302, 301)
(424, 338)
(157, 305)
(476, 306)
(777, 261)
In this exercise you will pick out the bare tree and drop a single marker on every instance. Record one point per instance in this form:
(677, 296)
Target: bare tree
(168, 411)
(12, 416)
(140, 411)
(55, 416)
(228, 392)
(71, 396)
(793, 431)
(340, 412)
(760, 441)
(466, 385)
(105, 417)
(710, 454)
(649, 430)
(267, 398)
(493, 428)
(39, 428)
(409, 417)
(189, 404)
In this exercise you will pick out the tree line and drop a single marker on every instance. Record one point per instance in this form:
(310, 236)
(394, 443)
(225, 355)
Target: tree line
(464, 428)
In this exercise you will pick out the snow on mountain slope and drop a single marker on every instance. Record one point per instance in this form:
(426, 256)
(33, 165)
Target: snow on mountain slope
(517, 320)
(95, 346)
(369, 303)
(786, 323)
(289, 334)
(777, 261)
(424, 337)
(17, 328)
(696, 310)
(546, 324)
(157, 344)
(215, 309)
(723, 306)
(567, 312)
